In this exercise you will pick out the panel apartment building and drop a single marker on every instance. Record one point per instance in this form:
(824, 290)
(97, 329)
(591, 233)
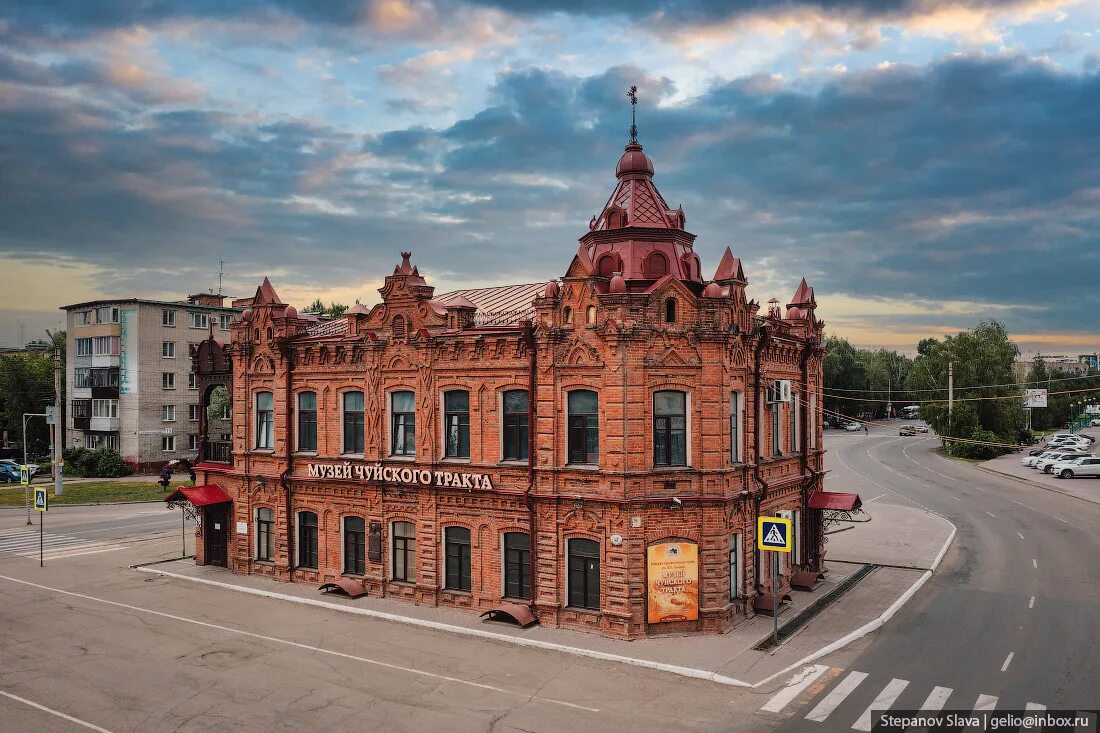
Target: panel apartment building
(129, 378)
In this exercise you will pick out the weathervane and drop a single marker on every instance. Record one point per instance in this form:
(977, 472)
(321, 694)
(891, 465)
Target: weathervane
(633, 96)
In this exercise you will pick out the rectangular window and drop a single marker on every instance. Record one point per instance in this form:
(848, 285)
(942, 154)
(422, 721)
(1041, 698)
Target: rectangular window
(82, 408)
(99, 377)
(168, 443)
(198, 320)
(812, 420)
(353, 422)
(669, 428)
(517, 565)
(168, 349)
(193, 412)
(84, 347)
(104, 408)
(84, 318)
(403, 424)
(456, 417)
(192, 442)
(111, 442)
(106, 345)
(265, 532)
(355, 546)
(735, 427)
(795, 414)
(307, 421)
(192, 381)
(404, 552)
(106, 314)
(168, 380)
(168, 413)
(777, 428)
(265, 420)
(516, 420)
(307, 539)
(223, 321)
(456, 542)
(584, 574)
(168, 318)
(92, 441)
(735, 566)
(82, 377)
(584, 435)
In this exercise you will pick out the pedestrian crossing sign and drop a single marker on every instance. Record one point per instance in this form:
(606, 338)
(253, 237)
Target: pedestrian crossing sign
(773, 533)
(41, 503)
(24, 475)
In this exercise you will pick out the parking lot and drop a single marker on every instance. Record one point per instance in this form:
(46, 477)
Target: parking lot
(1087, 488)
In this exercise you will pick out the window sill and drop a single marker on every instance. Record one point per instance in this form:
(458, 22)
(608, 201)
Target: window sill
(405, 583)
(268, 563)
(353, 576)
(455, 460)
(514, 462)
(348, 455)
(513, 599)
(403, 459)
(585, 611)
(305, 568)
(457, 591)
(669, 469)
(591, 467)
(263, 451)
(306, 453)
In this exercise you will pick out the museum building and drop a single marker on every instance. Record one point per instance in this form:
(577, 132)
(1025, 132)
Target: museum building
(592, 452)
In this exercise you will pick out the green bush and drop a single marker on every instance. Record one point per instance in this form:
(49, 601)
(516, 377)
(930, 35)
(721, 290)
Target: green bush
(977, 451)
(100, 463)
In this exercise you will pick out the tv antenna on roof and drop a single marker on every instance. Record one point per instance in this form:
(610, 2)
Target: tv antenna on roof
(632, 94)
(221, 272)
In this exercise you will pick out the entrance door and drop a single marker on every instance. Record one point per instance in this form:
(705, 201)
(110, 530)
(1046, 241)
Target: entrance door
(215, 532)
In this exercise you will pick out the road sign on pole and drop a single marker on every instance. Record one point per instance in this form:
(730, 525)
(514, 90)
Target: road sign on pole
(773, 533)
(41, 504)
(25, 475)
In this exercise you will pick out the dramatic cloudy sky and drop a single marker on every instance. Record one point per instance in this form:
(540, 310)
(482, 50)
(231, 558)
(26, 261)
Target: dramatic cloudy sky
(924, 163)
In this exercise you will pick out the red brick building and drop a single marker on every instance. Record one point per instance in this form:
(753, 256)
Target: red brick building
(630, 416)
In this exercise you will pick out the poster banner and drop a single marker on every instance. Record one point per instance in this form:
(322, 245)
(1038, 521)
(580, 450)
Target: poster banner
(673, 573)
(128, 351)
(1035, 398)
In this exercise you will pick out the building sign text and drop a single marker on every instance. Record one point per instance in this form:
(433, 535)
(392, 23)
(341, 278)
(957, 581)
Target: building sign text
(400, 475)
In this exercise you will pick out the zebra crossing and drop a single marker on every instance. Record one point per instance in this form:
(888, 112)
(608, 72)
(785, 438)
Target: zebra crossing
(24, 543)
(811, 681)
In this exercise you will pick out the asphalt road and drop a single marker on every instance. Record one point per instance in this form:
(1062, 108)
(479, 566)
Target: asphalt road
(1010, 619)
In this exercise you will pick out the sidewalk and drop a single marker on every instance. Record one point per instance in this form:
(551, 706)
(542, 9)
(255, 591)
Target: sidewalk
(908, 539)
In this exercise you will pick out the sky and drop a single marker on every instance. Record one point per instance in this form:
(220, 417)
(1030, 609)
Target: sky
(925, 164)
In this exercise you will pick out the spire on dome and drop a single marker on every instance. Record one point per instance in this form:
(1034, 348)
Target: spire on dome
(632, 94)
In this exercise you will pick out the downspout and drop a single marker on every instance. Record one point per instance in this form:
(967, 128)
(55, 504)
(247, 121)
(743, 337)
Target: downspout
(803, 429)
(761, 342)
(288, 359)
(532, 423)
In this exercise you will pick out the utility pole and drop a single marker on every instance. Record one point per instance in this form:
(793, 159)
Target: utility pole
(950, 387)
(58, 429)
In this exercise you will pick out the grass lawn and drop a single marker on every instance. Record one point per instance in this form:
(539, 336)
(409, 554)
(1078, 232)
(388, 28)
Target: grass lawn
(88, 493)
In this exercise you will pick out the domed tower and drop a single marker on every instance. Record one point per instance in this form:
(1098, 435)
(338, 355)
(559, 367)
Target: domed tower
(637, 234)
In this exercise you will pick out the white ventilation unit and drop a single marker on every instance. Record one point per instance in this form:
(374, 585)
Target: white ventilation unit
(785, 514)
(780, 391)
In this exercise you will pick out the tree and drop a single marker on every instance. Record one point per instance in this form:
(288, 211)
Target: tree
(319, 308)
(26, 386)
(926, 346)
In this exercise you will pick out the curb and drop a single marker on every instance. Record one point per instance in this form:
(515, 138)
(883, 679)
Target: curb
(1035, 484)
(700, 674)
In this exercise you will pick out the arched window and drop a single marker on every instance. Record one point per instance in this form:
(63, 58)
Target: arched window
(656, 265)
(584, 426)
(567, 316)
(398, 327)
(605, 267)
(265, 420)
(669, 428)
(584, 573)
(307, 540)
(355, 546)
(590, 315)
(517, 565)
(670, 310)
(270, 333)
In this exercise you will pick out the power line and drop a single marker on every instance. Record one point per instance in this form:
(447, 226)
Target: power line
(963, 399)
(980, 386)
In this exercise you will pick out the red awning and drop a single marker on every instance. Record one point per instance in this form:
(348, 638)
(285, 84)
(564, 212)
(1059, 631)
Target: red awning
(834, 500)
(200, 495)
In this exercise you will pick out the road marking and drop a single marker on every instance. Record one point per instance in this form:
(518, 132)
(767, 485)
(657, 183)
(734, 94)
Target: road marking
(955, 498)
(1031, 603)
(837, 696)
(299, 645)
(936, 699)
(1021, 536)
(51, 711)
(1008, 661)
(877, 497)
(883, 702)
(795, 685)
(1034, 563)
(1035, 706)
(992, 514)
(985, 702)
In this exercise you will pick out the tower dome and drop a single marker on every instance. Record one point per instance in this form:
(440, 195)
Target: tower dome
(634, 160)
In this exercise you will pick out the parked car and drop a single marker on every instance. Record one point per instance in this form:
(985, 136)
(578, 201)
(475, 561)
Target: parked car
(1070, 436)
(852, 427)
(9, 474)
(1030, 461)
(1044, 464)
(921, 428)
(1095, 422)
(15, 464)
(1083, 466)
(906, 430)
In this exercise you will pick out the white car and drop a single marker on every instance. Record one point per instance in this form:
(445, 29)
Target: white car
(852, 427)
(1029, 461)
(1095, 422)
(1083, 466)
(1045, 463)
(1069, 442)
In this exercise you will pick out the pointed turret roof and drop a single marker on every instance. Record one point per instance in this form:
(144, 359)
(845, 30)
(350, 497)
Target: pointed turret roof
(729, 268)
(637, 197)
(804, 295)
(266, 295)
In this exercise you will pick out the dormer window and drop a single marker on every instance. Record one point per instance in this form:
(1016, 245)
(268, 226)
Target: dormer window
(656, 265)
(616, 217)
(605, 267)
(670, 310)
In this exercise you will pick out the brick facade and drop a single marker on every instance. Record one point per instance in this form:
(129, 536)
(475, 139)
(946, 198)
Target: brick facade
(662, 329)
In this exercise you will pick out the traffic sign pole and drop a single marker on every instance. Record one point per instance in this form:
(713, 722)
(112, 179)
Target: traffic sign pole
(775, 593)
(41, 537)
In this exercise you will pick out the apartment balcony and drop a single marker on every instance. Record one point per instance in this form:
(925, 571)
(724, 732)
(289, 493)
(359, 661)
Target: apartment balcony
(105, 360)
(104, 424)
